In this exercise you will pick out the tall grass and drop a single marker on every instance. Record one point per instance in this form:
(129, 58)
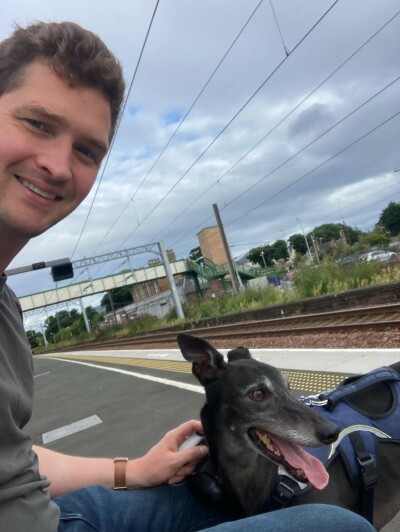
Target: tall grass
(229, 304)
(309, 281)
(330, 277)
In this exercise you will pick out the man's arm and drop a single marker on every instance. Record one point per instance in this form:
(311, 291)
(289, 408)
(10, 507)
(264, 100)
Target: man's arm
(163, 463)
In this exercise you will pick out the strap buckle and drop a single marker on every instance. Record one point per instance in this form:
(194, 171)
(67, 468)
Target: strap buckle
(368, 471)
(283, 493)
(313, 400)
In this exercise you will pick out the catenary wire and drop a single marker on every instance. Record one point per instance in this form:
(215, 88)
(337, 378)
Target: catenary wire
(180, 124)
(218, 181)
(231, 120)
(290, 158)
(314, 169)
(117, 127)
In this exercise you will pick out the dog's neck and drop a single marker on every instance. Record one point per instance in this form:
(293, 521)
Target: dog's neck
(240, 469)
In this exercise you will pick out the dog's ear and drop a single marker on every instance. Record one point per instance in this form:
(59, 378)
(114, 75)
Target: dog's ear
(206, 360)
(239, 353)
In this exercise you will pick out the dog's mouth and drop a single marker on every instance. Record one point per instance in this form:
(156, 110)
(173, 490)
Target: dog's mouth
(296, 461)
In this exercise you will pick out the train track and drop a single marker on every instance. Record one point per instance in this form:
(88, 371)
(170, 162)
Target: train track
(374, 318)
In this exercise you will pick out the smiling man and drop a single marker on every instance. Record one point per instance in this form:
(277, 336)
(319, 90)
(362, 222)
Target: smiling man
(60, 97)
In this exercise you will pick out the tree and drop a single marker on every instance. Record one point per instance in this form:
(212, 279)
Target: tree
(297, 242)
(59, 321)
(254, 256)
(376, 238)
(390, 218)
(271, 252)
(121, 297)
(279, 250)
(328, 232)
(35, 339)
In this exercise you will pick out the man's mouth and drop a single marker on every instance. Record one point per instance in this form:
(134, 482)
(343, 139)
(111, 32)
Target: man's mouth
(37, 190)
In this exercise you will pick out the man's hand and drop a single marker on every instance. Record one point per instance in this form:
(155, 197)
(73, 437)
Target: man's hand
(164, 463)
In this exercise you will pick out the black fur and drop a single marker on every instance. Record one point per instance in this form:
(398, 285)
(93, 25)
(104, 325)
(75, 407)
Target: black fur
(245, 477)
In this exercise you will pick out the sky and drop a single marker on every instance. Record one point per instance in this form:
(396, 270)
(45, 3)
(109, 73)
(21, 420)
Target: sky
(284, 114)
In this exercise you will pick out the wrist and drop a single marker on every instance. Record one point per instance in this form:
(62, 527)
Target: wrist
(120, 466)
(136, 474)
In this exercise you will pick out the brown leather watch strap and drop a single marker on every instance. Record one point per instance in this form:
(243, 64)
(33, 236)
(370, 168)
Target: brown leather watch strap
(120, 473)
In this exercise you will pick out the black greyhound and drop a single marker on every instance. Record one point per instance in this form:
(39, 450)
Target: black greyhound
(254, 424)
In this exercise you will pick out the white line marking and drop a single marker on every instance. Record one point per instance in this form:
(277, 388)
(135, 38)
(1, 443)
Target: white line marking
(41, 374)
(72, 428)
(167, 382)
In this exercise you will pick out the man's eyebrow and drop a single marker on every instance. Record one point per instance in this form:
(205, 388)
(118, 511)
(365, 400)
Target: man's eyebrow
(57, 119)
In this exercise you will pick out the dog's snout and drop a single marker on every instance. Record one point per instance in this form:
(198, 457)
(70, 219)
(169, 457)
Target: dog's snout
(329, 433)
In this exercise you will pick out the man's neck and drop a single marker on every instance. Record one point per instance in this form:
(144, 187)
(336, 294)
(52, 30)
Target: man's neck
(10, 246)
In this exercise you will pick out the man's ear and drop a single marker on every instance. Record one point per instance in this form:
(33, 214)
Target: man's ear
(239, 353)
(206, 360)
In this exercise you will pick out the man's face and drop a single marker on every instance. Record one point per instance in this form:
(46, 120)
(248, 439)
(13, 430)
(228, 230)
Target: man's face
(52, 140)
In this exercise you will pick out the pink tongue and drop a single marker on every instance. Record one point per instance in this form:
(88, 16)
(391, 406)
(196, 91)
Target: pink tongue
(298, 458)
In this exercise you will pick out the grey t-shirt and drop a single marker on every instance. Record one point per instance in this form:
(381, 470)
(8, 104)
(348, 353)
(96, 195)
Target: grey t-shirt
(24, 505)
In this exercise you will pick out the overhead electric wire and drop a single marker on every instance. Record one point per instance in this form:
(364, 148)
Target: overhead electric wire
(218, 181)
(316, 139)
(293, 156)
(232, 119)
(313, 170)
(117, 127)
(181, 122)
(290, 232)
(279, 29)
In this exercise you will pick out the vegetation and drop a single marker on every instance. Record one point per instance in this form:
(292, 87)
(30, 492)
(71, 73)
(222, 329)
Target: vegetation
(121, 297)
(339, 269)
(390, 218)
(267, 254)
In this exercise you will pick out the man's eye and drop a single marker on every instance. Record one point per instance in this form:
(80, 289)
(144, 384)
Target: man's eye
(36, 124)
(87, 153)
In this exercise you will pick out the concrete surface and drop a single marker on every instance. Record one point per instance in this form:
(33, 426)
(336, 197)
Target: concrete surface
(137, 405)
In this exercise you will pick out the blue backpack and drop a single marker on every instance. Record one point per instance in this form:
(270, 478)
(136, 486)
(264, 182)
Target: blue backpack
(359, 432)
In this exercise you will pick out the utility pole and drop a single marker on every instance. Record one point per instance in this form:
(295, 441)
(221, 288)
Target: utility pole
(85, 318)
(305, 238)
(171, 281)
(231, 266)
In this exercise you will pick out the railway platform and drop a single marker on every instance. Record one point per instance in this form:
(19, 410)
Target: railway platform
(119, 403)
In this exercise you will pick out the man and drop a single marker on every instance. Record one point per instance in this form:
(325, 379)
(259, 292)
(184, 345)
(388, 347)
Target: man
(60, 97)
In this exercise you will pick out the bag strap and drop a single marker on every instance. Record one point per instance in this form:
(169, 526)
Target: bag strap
(344, 390)
(369, 475)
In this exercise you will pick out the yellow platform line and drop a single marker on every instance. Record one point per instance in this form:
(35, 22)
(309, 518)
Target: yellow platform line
(312, 382)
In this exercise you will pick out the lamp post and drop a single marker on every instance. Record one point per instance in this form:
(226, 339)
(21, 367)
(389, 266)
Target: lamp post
(263, 258)
(305, 238)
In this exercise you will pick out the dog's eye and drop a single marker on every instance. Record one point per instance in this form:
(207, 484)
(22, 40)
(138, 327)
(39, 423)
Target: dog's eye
(257, 395)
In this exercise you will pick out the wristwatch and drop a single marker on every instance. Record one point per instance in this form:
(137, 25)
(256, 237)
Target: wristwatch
(120, 472)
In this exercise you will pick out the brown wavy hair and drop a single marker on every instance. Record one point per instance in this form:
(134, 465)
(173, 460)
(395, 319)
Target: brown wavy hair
(75, 54)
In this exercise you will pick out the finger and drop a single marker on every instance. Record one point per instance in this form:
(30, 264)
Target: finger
(187, 428)
(193, 455)
(175, 480)
(184, 472)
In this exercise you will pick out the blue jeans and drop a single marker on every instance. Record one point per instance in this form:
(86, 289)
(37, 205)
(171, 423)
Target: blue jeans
(175, 509)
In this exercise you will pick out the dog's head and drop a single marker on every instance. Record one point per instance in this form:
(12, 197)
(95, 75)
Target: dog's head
(252, 401)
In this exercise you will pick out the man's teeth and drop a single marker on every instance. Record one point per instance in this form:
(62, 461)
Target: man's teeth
(38, 190)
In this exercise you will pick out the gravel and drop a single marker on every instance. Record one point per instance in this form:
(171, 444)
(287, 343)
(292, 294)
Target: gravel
(347, 340)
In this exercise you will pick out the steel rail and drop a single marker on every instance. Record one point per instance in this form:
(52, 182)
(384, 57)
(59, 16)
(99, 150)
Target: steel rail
(382, 317)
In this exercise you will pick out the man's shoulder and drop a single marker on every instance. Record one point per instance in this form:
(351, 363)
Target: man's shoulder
(9, 299)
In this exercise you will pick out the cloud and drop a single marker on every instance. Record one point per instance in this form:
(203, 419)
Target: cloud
(260, 170)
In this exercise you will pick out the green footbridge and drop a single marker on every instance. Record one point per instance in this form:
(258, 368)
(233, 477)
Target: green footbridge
(209, 270)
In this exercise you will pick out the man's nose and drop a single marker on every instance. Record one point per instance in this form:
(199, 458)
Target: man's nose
(56, 160)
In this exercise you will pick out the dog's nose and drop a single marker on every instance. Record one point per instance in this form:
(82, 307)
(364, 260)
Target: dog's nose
(329, 434)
